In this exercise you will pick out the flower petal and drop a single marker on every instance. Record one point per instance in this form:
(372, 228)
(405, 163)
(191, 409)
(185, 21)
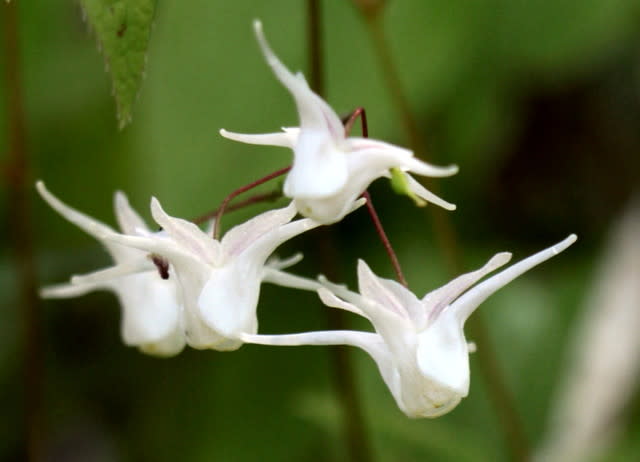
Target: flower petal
(279, 264)
(89, 225)
(464, 306)
(107, 275)
(187, 234)
(314, 113)
(240, 237)
(443, 354)
(228, 300)
(286, 139)
(436, 301)
(128, 219)
(372, 288)
(331, 300)
(69, 290)
(371, 343)
(292, 281)
(427, 195)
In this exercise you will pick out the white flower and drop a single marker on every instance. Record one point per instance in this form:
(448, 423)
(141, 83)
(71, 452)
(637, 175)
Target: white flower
(151, 308)
(329, 170)
(220, 280)
(419, 345)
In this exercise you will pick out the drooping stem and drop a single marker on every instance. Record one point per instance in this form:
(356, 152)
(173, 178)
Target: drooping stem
(385, 240)
(237, 192)
(355, 432)
(21, 236)
(500, 395)
(264, 197)
(348, 125)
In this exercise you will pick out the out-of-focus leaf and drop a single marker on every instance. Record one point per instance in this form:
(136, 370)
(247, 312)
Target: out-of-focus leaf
(122, 28)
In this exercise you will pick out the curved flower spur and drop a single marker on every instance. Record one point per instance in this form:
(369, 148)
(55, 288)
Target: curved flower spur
(220, 280)
(330, 170)
(151, 307)
(419, 345)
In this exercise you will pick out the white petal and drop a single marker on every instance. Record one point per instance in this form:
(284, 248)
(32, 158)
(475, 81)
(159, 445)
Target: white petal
(240, 237)
(69, 290)
(229, 299)
(407, 299)
(113, 272)
(279, 264)
(330, 299)
(320, 167)
(285, 139)
(187, 234)
(314, 113)
(261, 248)
(371, 288)
(151, 308)
(443, 354)
(89, 225)
(439, 299)
(340, 290)
(332, 209)
(467, 303)
(128, 219)
(292, 281)
(169, 346)
(395, 156)
(367, 341)
(427, 195)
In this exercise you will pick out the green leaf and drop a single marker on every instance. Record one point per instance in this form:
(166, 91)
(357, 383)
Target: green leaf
(122, 28)
(400, 185)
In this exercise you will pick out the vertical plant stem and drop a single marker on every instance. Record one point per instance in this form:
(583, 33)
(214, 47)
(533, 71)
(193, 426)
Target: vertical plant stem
(355, 432)
(21, 236)
(499, 393)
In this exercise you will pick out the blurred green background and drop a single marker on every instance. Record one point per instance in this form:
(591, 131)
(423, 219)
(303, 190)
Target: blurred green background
(538, 103)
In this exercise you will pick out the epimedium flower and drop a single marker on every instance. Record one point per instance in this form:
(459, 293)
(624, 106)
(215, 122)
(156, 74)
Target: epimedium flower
(419, 344)
(330, 170)
(151, 306)
(220, 281)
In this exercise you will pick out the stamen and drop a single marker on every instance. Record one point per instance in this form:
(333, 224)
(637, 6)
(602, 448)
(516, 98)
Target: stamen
(237, 192)
(162, 264)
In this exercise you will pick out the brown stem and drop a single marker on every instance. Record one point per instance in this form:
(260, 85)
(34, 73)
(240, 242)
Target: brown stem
(351, 119)
(21, 235)
(344, 379)
(348, 125)
(499, 393)
(265, 197)
(385, 240)
(237, 192)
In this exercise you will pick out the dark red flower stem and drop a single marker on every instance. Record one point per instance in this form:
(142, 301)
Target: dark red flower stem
(348, 125)
(385, 240)
(256, 199)
(350, 120)
(237, 192)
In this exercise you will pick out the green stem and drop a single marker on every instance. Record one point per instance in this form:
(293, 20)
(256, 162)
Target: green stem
(344, 378)
(21, 235)
(500, 395)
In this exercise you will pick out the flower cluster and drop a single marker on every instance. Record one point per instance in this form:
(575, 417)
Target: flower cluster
(184, 286)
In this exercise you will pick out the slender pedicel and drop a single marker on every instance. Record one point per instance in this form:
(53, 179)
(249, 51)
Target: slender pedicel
(348, 125)
(237, 192)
